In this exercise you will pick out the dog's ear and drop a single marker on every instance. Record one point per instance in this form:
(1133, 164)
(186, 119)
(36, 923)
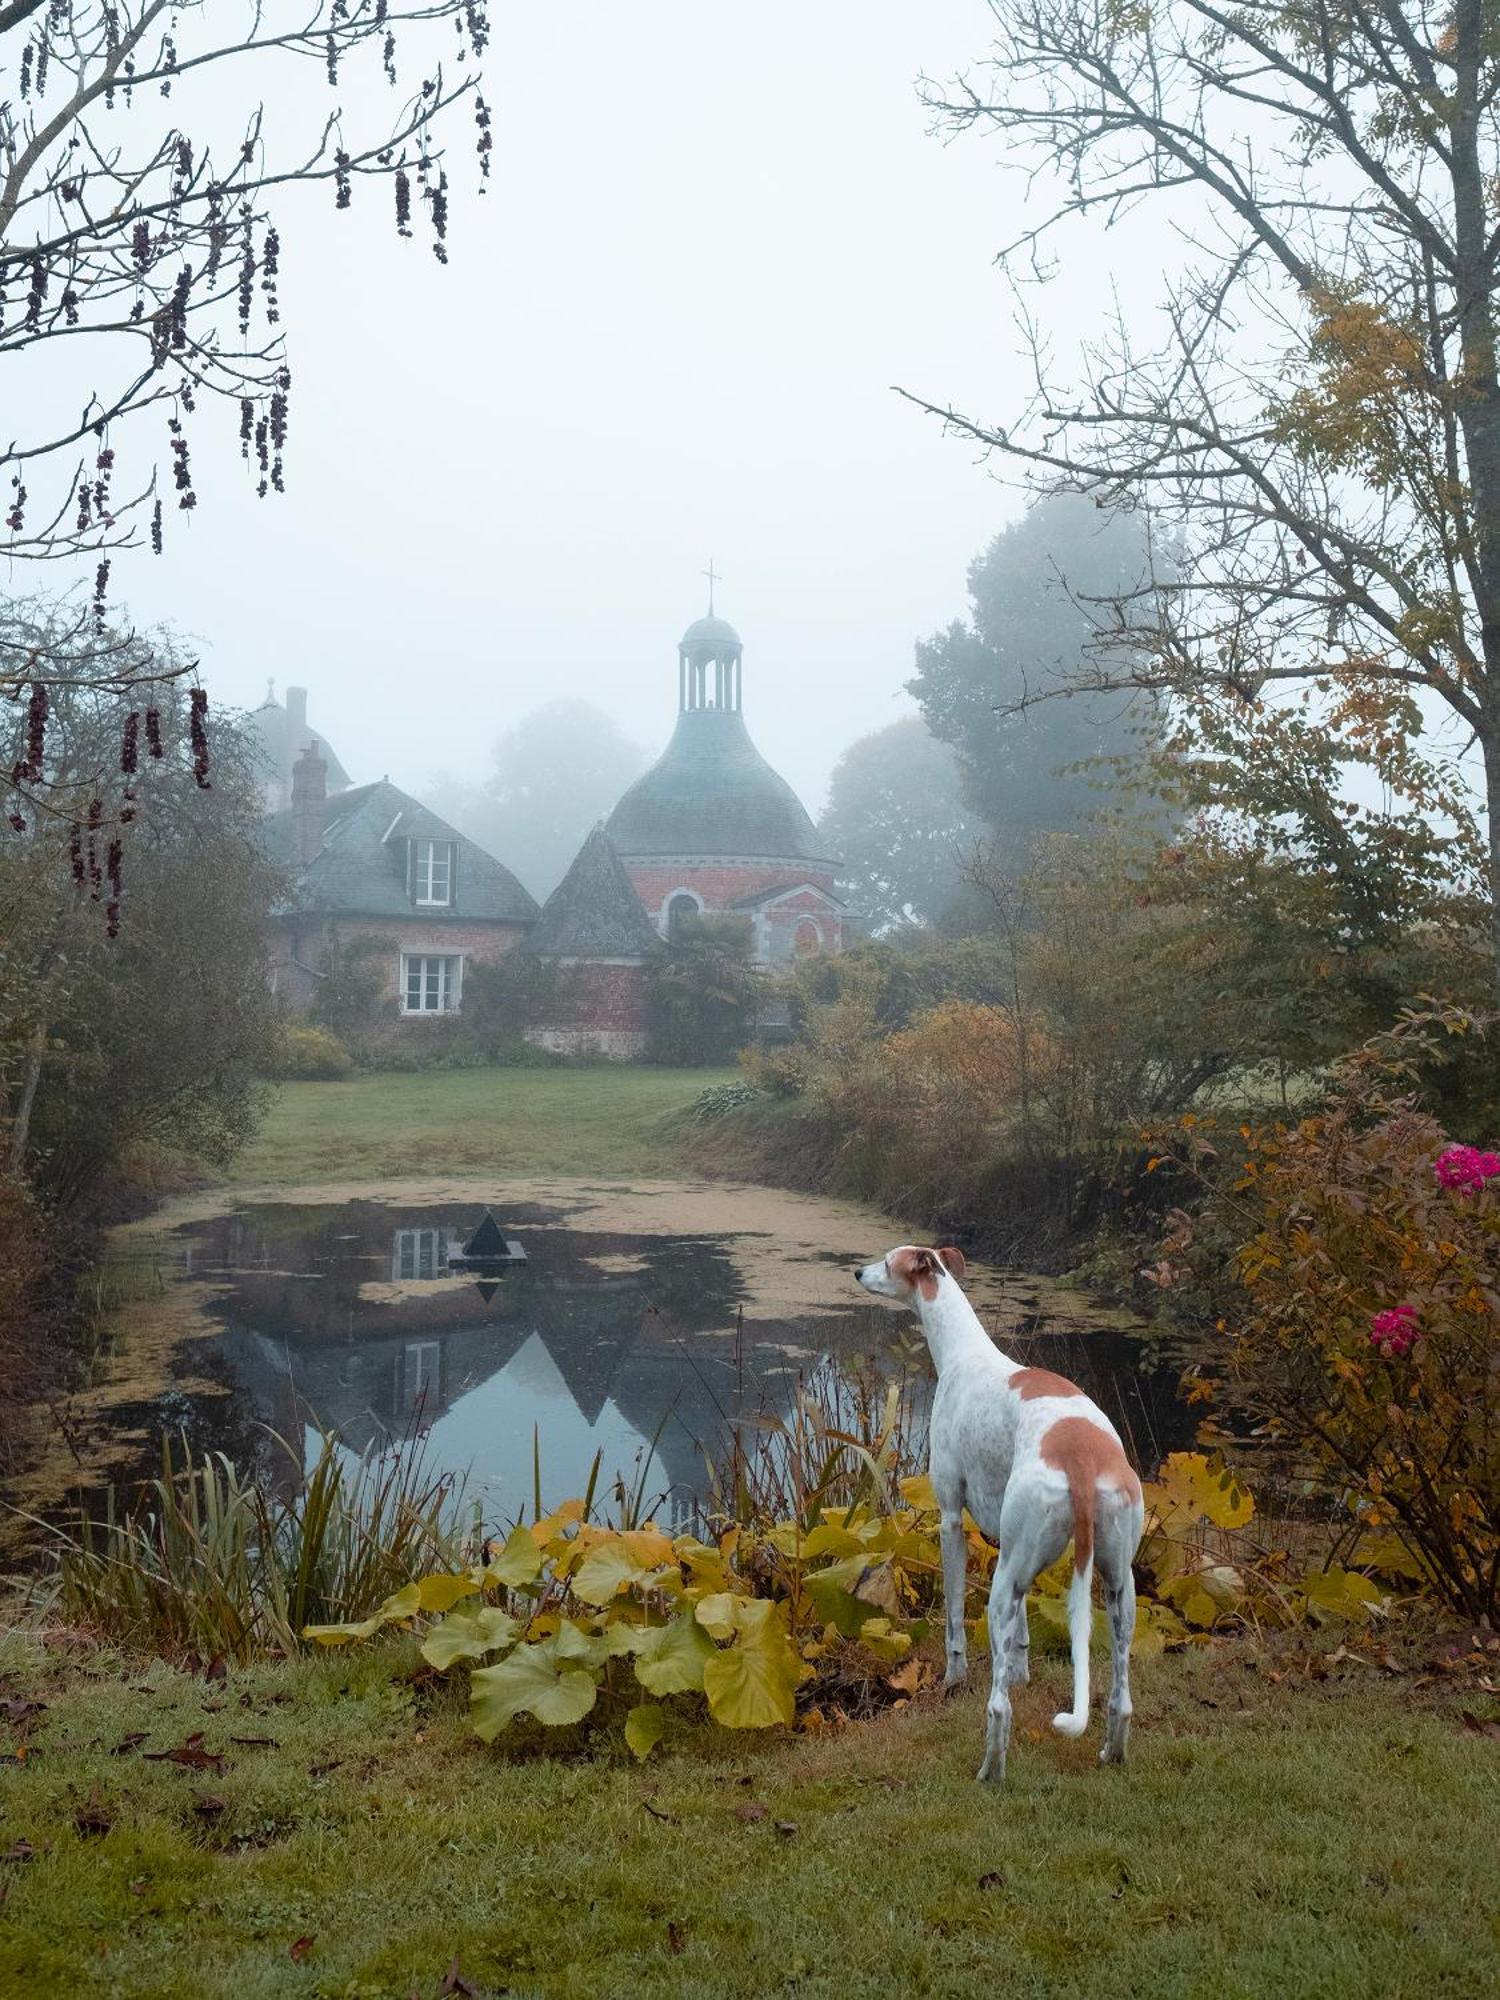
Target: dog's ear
(925, 1270)
(952, 1261)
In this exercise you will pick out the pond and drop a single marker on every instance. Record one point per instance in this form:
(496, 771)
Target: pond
(643, 1322)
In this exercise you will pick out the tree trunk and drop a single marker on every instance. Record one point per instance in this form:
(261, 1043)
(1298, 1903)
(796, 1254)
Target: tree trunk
(1491, 749)
(20, 1126)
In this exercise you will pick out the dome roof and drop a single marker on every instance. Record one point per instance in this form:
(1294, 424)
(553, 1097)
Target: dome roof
(712, 793)
(709, 638)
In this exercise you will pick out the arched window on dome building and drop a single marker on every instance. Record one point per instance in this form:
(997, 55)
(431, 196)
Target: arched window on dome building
(682, 907)
(807, 938)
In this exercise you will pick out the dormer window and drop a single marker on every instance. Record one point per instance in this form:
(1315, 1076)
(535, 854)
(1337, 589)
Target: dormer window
(432, 873)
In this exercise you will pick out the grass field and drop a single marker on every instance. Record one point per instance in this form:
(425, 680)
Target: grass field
(1271, 1837)
(603, 1121)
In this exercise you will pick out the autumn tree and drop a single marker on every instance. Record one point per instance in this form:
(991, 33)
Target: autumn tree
(1313, 417)
(147, 150)
(898, 825)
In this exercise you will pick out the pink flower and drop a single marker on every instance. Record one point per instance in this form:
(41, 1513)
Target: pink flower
(1394, 1332)
(1465, 1168)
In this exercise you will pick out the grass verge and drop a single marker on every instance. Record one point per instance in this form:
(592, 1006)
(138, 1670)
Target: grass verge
(607, 1120)
(1273, 1836)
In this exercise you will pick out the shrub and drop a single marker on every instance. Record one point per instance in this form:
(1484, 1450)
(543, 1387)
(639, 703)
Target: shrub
(307, 1053)
(1371, 1339)
(722, 1098)
(704, 993)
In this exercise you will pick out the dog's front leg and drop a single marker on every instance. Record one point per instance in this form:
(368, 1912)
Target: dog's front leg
(955, 1583)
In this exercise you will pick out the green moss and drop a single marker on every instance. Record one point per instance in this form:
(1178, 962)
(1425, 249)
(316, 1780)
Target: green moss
(1268, 1839)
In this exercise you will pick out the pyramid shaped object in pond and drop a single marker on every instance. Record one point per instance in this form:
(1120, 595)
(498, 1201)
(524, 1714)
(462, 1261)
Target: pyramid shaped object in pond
(487, 1243)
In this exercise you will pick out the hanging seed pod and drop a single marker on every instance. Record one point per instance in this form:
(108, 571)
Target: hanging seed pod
(156, 538)
(75, 856)
(198, 732)
(130, 744)
(101, 594)
(37, 711)
(153, 732)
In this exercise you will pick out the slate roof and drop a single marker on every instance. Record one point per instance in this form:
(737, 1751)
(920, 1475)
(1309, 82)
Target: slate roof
(360, 870)
(594, 911)
(712, 793)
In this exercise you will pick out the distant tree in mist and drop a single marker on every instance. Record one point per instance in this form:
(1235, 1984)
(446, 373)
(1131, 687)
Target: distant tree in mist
(898, 825)
(557, 773)
(1032, 623)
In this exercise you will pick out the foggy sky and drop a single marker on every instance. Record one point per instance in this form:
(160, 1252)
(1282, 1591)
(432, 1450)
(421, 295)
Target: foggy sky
(715, 234)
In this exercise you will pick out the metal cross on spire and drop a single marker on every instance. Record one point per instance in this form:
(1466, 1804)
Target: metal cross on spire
(713, 577)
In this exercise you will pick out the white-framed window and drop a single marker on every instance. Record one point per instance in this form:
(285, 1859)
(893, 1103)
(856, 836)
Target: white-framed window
(432, 873)
(420, 1371)
(419, 1253)
(430, 984)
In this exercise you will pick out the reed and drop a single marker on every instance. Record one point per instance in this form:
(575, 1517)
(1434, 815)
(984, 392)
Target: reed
(209, 1561)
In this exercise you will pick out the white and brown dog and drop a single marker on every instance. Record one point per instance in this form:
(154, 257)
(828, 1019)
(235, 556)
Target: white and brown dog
(1035, 1462)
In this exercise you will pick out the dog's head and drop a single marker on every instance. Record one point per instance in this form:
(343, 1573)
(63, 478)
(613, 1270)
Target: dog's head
(909, 1273)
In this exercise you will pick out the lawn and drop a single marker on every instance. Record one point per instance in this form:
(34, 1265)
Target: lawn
(1274, 1835)
(573, 1122)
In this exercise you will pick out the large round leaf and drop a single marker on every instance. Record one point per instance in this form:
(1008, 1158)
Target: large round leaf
(753, 1683)
(468, 1635)
(528, 1682)
(670, 1658)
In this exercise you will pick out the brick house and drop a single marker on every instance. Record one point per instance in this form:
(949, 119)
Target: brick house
(712, 828)
(373, 862)
(600, 943)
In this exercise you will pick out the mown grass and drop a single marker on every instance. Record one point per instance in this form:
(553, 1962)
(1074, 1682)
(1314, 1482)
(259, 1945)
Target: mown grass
(1270, 1838)
(607, 1120)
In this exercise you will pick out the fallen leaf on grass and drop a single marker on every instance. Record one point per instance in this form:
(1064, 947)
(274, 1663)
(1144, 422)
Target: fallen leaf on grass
(209, 1806)
(18, 1711)
(129, 1742)
(666, 1818)
(257, 1742)
(322, 1770)
(786, 1828)
(676, 1938)
(454, 1981)
(95, 1816)
(300, 1948)
(1480, 1725)
(20, 1850)
(140, 1885)
(191, 1754)
(992, 1879)
(750, 1812)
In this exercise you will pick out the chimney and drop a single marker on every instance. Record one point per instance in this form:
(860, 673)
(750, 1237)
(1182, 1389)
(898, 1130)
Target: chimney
(296, 728)
(309, 791)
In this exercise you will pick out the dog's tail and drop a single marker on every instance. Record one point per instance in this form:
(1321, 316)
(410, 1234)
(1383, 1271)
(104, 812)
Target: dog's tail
(1080, 1600)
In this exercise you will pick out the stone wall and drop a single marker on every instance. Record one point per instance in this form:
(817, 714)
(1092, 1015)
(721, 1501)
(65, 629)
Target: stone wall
(599, 1008)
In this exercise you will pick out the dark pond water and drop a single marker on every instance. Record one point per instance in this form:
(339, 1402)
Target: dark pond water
(640, 1346)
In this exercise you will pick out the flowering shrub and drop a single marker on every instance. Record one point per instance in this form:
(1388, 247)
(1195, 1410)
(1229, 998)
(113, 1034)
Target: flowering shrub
(1371, 1341)
(1465, 1167)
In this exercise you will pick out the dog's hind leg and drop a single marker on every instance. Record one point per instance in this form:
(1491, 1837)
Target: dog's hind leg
(1116, 1546)
(1007, 1605)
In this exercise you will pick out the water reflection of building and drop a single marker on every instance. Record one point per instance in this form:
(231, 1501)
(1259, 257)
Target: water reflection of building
(352, 1320)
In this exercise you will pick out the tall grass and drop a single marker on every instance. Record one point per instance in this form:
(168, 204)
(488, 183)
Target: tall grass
(209, 1561)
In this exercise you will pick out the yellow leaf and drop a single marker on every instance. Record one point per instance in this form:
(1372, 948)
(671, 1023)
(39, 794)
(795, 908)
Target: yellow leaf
(402, 1604)
(441, 1593)
(644, 1728)
(520, 1561)
(753, 1683)
(672, 1657)
(468, 1635)
(528, 1681)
